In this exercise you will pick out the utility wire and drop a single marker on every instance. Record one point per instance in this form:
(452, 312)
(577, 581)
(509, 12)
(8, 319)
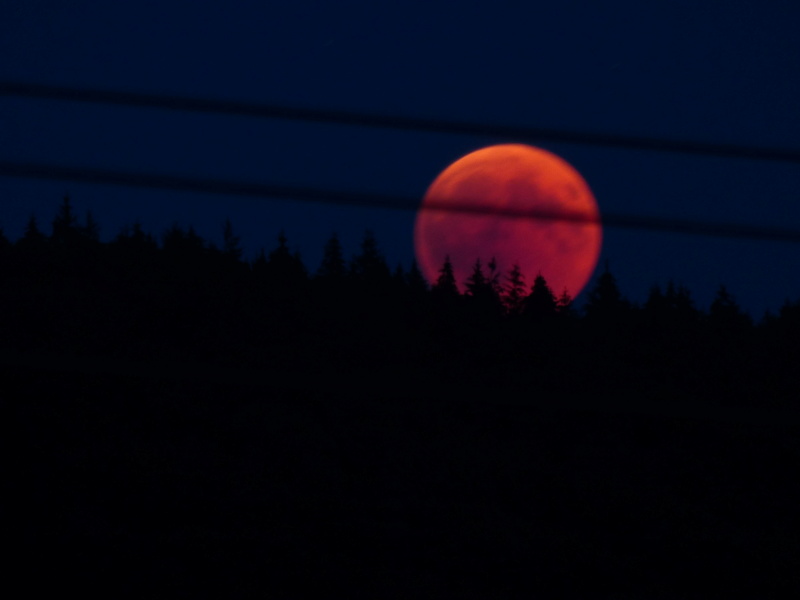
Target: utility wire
(43, 171)
(352, 118)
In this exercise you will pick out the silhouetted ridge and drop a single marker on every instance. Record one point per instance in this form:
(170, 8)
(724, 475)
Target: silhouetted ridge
(181, 298)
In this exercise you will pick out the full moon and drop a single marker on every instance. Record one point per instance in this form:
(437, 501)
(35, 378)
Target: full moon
(515, 204)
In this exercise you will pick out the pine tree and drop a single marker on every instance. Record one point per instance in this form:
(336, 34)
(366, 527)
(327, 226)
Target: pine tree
(482, 292)
(231, 243)
(259, 264)
(494, 278)
(514, 291)
(656, 303)
(445, 285)
(415, 280)
(369, 266)
(32, 238)
(136, 252)
(564, 304)
(142, 239)
(541, 302)
(186, 253)
(606, 303)
(476, 283)
(399, 278)
(332, 267)
(91, 228)
(674, 306)
(64, 224)
(725, 313)
(283, 267)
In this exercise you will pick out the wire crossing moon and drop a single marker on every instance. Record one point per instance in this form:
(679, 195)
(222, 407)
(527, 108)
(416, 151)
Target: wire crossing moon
(459, 218)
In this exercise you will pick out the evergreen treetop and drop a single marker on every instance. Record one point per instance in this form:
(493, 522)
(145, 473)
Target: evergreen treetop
(445, 285)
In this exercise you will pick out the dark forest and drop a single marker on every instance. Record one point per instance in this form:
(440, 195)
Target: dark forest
(172, 401)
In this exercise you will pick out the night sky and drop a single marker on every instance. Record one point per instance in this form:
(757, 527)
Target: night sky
(720, 72)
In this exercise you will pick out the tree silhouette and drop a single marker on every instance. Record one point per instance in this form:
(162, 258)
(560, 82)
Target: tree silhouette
(477, 284)
(481, 291)
(135, 242)
(605, 304)
(415, 280)
(183, 298)
(183, 244)
(564, 305)
(231, 243)
(186, 256)
(493, 276)
(672, 308)
(445, 286)
(65, 228)
(332, 268)
(285, 270)
(725, 313)
(541, 303)
(90, 231)
(399, 279)
(369, 267)
(514, 291)
(135, 255)
(31, 245)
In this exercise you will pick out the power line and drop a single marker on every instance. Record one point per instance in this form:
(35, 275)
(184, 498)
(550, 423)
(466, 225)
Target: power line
(353, 118)
(43, 171)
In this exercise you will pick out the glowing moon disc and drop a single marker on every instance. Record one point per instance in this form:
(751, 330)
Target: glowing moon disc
(555, 228)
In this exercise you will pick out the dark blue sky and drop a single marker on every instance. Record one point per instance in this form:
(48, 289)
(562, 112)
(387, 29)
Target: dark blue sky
(711, 71)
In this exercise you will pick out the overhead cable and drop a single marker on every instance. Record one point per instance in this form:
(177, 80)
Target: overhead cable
(180, 183)
(362, 119)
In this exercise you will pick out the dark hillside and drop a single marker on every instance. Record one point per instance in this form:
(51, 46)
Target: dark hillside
(176, 413)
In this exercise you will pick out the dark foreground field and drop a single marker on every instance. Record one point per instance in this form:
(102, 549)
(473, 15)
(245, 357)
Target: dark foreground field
(282, 486)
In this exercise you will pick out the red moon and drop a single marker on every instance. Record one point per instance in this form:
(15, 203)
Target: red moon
(459, 218)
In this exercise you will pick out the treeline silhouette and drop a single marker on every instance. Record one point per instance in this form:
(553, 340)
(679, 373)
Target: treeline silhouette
(180, 298)
(372, 432)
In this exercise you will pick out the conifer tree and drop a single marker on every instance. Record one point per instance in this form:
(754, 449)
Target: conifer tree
(135, 252)
(564, 304)
(541, 302)
(415, 280)
(332, 267)
(369, 266)
(605, 303)
(725, 313)
(477, 283)
(64, 223)
(91, 228)
(231, 243)
(656, 302)
(283, 267)
(481, 291)
(259, 264)
(399, 278)
(186, 253)
(674, 306)
(136, 238)
(493, 277)
(514, 291)
(32, 239)
(445, 285)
